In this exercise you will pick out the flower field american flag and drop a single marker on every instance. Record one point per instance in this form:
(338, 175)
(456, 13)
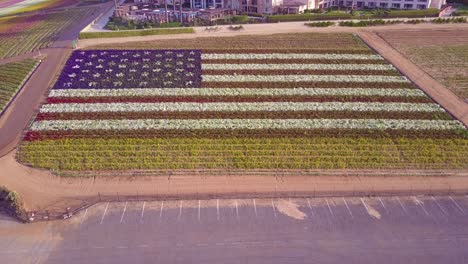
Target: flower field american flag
(129, 91)
(279, 102)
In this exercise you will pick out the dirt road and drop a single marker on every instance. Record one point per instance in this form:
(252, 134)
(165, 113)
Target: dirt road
(41, 189)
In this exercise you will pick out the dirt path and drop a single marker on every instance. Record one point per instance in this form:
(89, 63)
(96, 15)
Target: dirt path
(257, 29)
(40, 189)
(446, 98)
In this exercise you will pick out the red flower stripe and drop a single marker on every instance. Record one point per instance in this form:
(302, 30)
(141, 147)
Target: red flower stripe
(206, 99)
(244, 115)
(303, 72)
(51, 135)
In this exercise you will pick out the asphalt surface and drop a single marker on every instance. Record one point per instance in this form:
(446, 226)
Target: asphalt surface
(330, 230)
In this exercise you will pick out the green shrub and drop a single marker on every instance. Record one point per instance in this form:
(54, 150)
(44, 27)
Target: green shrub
(430, 12)
(135, 33)
(239, 27)
(449, 20)
(306, 17)
(362, 23)
(415, 21)
(320, 24)
(240, 19)
(10, 203)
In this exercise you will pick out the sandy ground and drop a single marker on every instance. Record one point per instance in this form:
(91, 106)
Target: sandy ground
(41, 189)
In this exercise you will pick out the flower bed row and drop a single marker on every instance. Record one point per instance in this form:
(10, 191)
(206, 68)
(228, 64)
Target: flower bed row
(269, 56)
(308, 84)
(188, 134)
(285, 66)
(239, 107)
(247, 115)
(279, 73)
(335, 42)
(239, 99)
(295, 61)
(175, 92)
(305, 78)
(189, 124)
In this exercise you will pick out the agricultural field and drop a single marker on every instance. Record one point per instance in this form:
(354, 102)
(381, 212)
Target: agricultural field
(23, 34)
(12, 77)
(302, 101)
(14, 7)
(443, 54)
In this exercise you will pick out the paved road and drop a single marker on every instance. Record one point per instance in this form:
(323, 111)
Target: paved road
(319, 230)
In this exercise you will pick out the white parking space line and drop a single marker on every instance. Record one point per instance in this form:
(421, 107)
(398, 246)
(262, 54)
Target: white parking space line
(123, 213)
(457, 205)
(439, 205)
(383, 205)
(84, 216)
(347, 207)
(329, 208)
(310, 207)
(365, 205)
(402, 206)
(142, 212)
(199, 209)
(421, 204)
(104, 214)
(161, 209)
(273, 206)
(237, 210)
(180, 210)
(217, 209)
(255, 207)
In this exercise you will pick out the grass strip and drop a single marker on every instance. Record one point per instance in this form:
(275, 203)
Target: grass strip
(135, 33)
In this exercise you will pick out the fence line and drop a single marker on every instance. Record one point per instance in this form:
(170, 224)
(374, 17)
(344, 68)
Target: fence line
(55, 212)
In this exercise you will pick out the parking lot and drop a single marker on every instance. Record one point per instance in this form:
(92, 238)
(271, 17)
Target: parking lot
(307, 230)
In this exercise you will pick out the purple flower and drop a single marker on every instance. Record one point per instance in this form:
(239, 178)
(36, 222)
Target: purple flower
(113, 69)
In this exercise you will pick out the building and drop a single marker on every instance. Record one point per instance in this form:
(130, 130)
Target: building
(397, 4)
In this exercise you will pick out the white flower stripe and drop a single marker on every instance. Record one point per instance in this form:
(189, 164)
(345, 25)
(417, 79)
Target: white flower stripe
(190, 124)
(259, 56)
(369, 67)
(236, 92)
(238, 107)
(305, 78)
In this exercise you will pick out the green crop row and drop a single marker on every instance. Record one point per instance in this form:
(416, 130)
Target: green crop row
(12, 77)
(19, 35)
(245, 153)
(135, 33)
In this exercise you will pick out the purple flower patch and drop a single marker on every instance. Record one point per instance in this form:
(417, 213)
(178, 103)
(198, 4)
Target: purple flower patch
(115, 69)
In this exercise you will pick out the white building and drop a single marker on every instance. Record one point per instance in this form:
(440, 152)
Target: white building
(398, 4)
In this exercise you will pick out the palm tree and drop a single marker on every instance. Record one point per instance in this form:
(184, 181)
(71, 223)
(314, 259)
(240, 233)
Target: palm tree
(165, 10)
(180, 9)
